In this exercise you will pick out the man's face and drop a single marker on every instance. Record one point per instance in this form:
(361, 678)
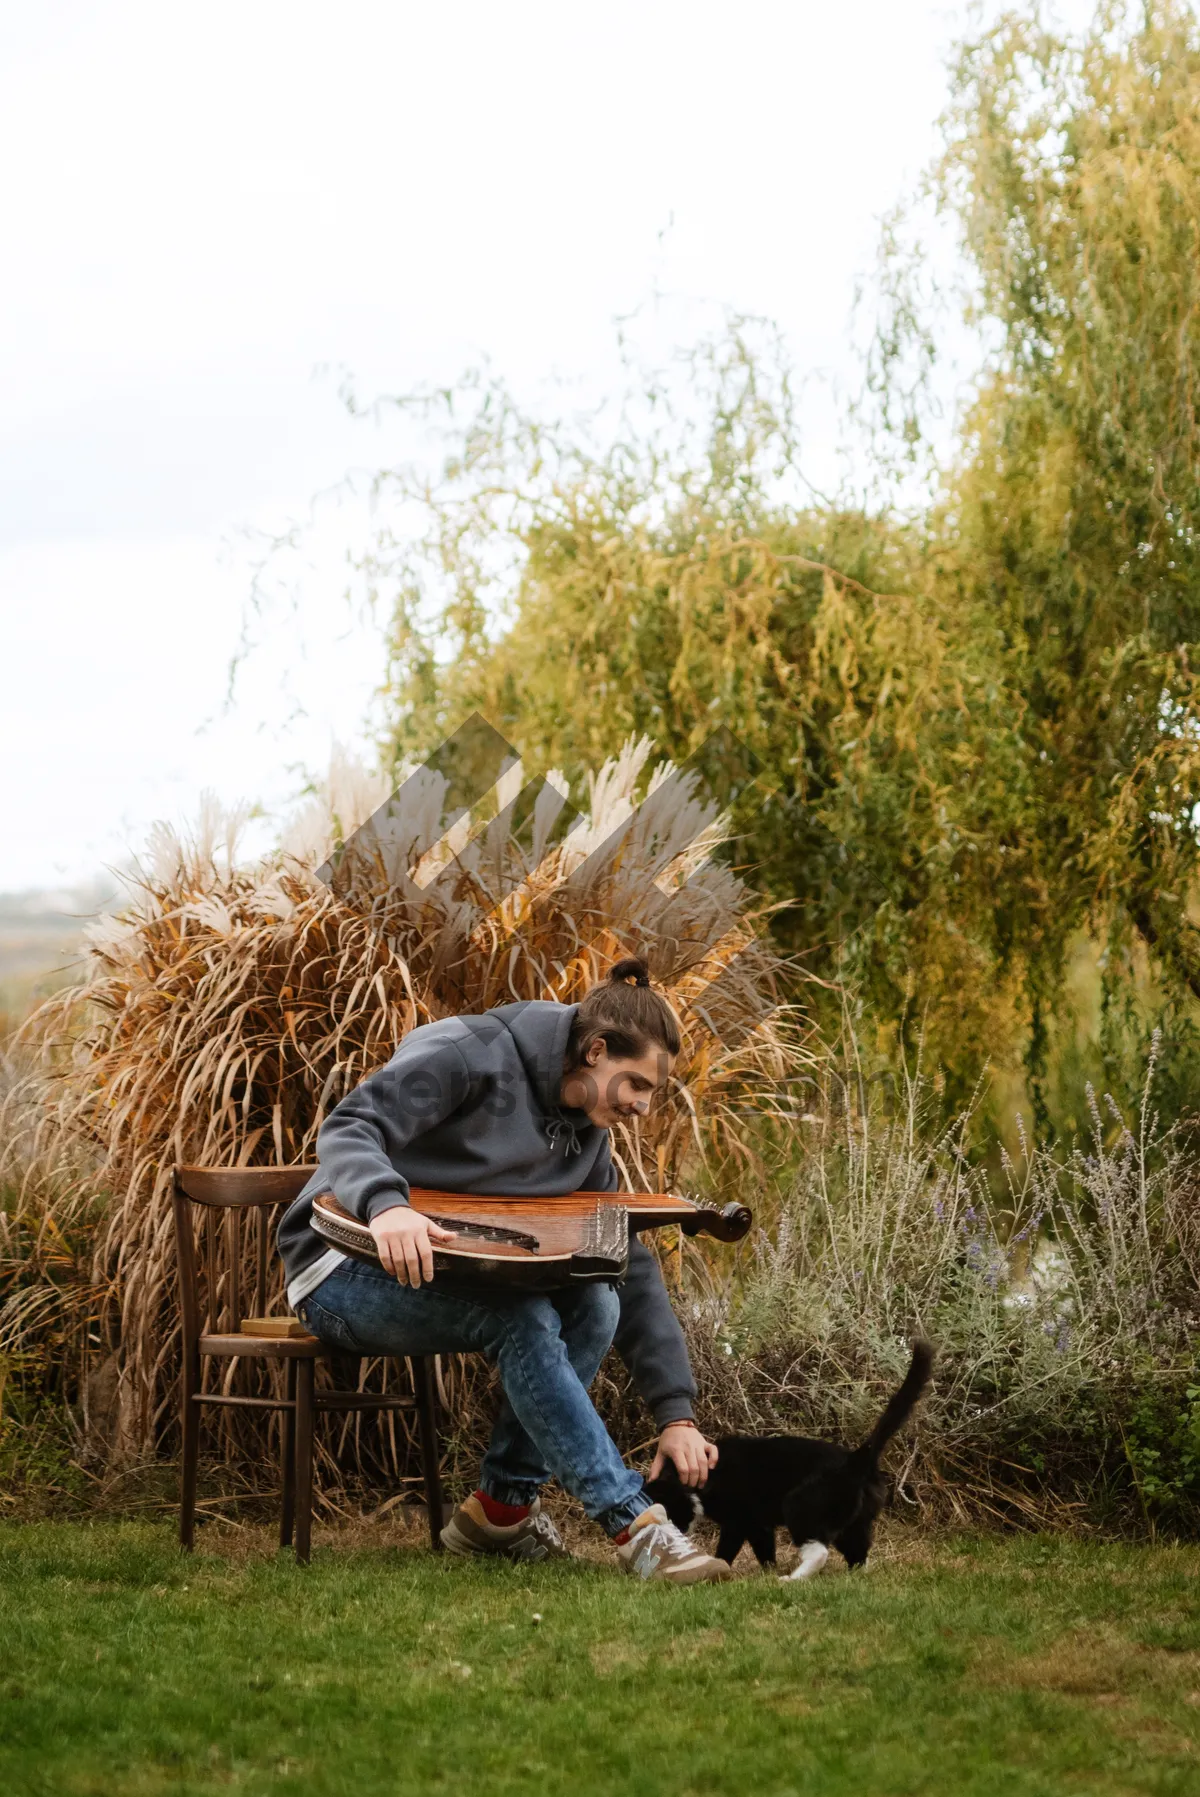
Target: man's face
(616, 1091)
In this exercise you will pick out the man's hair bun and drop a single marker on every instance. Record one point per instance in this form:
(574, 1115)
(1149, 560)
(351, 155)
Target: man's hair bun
(630, 1017)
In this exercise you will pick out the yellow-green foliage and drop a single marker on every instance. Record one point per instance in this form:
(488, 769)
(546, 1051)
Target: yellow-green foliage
(978, 727)
(1075, 172)
(670, 588)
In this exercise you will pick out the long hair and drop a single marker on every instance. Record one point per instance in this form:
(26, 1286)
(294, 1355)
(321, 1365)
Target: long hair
(627, 1013)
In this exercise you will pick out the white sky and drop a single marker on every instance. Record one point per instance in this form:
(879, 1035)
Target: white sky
(203, 205)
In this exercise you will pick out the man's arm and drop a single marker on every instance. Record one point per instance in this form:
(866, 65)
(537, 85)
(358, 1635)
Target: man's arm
(649, 1338)
(359, 1140)
(650, 1341)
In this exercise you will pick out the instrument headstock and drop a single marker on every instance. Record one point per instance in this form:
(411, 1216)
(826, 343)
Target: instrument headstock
(725, 1223)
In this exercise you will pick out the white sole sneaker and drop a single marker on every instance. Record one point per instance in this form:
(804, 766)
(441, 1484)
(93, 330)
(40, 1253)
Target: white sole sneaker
(657, 1550)
(470, 1535)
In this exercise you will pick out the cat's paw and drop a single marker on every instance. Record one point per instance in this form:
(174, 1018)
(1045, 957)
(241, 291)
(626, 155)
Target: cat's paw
(813, 1557)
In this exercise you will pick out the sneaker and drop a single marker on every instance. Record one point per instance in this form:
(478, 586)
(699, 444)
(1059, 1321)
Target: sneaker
(656, 1549)
(533, 1538)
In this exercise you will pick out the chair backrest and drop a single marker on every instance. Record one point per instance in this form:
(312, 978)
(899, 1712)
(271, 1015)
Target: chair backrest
(233, 1258)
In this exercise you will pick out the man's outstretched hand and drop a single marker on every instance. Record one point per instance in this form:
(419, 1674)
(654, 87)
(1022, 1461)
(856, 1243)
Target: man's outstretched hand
(406, 1240)
(692, 1457)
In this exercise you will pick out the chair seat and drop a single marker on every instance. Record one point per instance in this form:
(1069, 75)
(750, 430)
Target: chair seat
(271, 1347)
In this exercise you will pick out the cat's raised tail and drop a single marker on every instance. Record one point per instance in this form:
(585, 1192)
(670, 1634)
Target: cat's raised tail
(901, 1404)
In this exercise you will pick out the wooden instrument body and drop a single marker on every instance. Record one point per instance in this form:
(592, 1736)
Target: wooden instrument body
(537, 1244)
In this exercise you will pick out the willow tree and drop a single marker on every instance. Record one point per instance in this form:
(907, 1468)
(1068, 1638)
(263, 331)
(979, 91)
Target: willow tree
(677, 580)
(979, 727)
(1073, 516)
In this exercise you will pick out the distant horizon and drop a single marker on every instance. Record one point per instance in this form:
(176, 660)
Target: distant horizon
(98, 888)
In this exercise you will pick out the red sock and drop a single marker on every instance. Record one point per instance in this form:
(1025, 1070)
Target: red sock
(621, 1539)
(502, 1516)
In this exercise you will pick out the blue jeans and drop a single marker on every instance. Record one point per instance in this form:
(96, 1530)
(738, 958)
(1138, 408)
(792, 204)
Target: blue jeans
(547, 1349)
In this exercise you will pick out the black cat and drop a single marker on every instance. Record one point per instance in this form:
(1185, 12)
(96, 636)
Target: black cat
(825, 1496)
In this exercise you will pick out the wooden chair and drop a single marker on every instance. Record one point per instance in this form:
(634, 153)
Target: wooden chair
(212, 1331)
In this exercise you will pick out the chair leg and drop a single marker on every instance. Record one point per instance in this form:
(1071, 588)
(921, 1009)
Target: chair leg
(425, 1392)
(287, 1514)
(304, 1459)
(189, 1428)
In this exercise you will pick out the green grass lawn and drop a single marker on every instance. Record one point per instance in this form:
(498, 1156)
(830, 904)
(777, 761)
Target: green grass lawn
(965, 1666)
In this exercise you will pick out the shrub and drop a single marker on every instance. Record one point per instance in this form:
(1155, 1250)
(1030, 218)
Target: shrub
(1065, 1316)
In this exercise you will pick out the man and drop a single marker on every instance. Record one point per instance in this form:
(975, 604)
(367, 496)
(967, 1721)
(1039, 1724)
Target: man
(518, 1102)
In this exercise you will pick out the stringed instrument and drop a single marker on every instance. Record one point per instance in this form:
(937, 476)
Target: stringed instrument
(536, 1244)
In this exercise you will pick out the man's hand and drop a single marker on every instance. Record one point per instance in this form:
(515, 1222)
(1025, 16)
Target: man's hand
(692, 1456)
(406, 1241)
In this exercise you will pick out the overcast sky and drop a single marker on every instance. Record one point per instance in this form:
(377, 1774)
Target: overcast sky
(204, 206)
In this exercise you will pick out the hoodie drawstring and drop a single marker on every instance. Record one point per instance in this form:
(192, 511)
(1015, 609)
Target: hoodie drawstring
(554, 1128)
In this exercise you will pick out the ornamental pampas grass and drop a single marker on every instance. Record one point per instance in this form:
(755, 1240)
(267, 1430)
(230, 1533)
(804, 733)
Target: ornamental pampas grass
(228, 1005)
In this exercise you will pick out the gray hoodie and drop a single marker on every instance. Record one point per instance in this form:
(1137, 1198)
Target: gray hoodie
(471, 1104)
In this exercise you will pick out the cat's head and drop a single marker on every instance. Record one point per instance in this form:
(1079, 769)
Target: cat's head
(680, 1504)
